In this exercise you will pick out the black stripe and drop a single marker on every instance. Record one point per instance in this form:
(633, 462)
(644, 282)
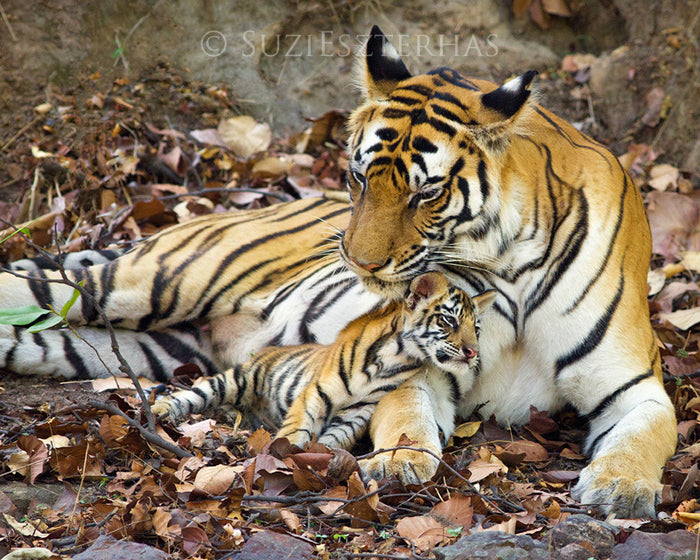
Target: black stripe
(422, 144)
(446, 113)
(387, 134)
(607, 401)
(595, 335)
(73, 357)
(40, 289)
(606, 258)
(327, 403)
(483, 180)
(405, 100)
(592, 446)
(442, 127)
(181, 351)
(159, 373)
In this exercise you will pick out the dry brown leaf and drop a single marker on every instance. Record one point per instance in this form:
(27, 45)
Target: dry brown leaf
(258, 440)
(674, 219)
(466, 430)
(480, 469)
(272, 166)
(663, 176)
(556, 8)
(684, 319)
(113, 383)
(25, 528)
(456, 510)
(691, 260)
(532, 450)
(209, 137)
(292, 521)
(424, 531)
(215, 480)
(244, 136)
(655, 281)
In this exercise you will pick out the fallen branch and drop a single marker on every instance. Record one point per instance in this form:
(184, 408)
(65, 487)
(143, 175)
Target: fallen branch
(149, 436)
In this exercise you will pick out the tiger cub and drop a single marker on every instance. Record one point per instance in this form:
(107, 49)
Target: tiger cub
(329, 392)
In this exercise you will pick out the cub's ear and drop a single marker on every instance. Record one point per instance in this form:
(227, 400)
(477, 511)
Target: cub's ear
(484, 300)
(511, 96)
(380, 67)
(425, 286)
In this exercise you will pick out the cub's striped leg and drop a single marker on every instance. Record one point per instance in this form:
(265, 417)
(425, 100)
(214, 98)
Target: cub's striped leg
(347, 426)
(228, 387)
(85, 353)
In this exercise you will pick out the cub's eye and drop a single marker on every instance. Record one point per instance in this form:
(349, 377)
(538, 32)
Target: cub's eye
(448, 322)
(424, 195)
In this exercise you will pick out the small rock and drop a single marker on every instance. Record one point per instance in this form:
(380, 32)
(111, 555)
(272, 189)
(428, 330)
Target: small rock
(494, 545)
(676, 545)
(268, 544)
(109, 548)
(573, 552)
(584, 531)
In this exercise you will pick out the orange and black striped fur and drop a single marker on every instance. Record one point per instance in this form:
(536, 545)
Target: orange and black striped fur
(329, 392)
(446, 173)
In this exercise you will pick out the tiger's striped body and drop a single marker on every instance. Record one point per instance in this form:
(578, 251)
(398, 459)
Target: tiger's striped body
(329, 392)
(474, 180)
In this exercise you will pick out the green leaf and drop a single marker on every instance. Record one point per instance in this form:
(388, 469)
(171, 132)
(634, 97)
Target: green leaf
(21, 315)
(73, 298)
(47, 323)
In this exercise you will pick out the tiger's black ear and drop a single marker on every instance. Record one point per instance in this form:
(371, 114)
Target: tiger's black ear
(383, 68)
(425, 286)
(511, 96)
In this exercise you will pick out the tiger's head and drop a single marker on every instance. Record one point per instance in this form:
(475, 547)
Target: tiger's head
(441, 323)
(425, 159)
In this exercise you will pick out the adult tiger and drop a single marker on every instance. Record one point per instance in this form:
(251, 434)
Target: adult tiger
(483, 184)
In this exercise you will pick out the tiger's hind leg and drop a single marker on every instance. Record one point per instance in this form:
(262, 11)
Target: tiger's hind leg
(85, 352)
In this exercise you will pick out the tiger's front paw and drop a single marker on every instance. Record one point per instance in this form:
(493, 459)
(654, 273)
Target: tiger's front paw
(617, 495)
(409, 466)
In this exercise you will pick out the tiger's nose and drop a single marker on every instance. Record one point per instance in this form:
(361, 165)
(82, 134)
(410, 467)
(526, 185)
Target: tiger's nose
(468, 352)
(369, 267)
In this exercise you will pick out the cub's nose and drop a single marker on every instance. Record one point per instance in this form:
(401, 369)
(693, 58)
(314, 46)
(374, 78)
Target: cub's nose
(469, 352)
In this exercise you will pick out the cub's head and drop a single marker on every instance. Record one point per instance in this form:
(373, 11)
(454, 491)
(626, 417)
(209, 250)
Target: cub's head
(441, 323)
(423, 175)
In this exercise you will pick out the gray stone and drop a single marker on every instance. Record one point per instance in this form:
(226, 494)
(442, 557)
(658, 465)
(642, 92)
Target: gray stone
(573, 552)
(676, 545)
(581, 530)
(109, 548)
(494, 545)
(267, 545)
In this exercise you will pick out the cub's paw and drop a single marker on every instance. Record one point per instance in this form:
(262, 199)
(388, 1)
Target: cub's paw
(410, 467)
(163, 408)
(617, 495)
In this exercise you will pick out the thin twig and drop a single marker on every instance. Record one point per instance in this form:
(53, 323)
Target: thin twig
(442, 462)
(19, 133)
(145, 432)
(7, 23)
